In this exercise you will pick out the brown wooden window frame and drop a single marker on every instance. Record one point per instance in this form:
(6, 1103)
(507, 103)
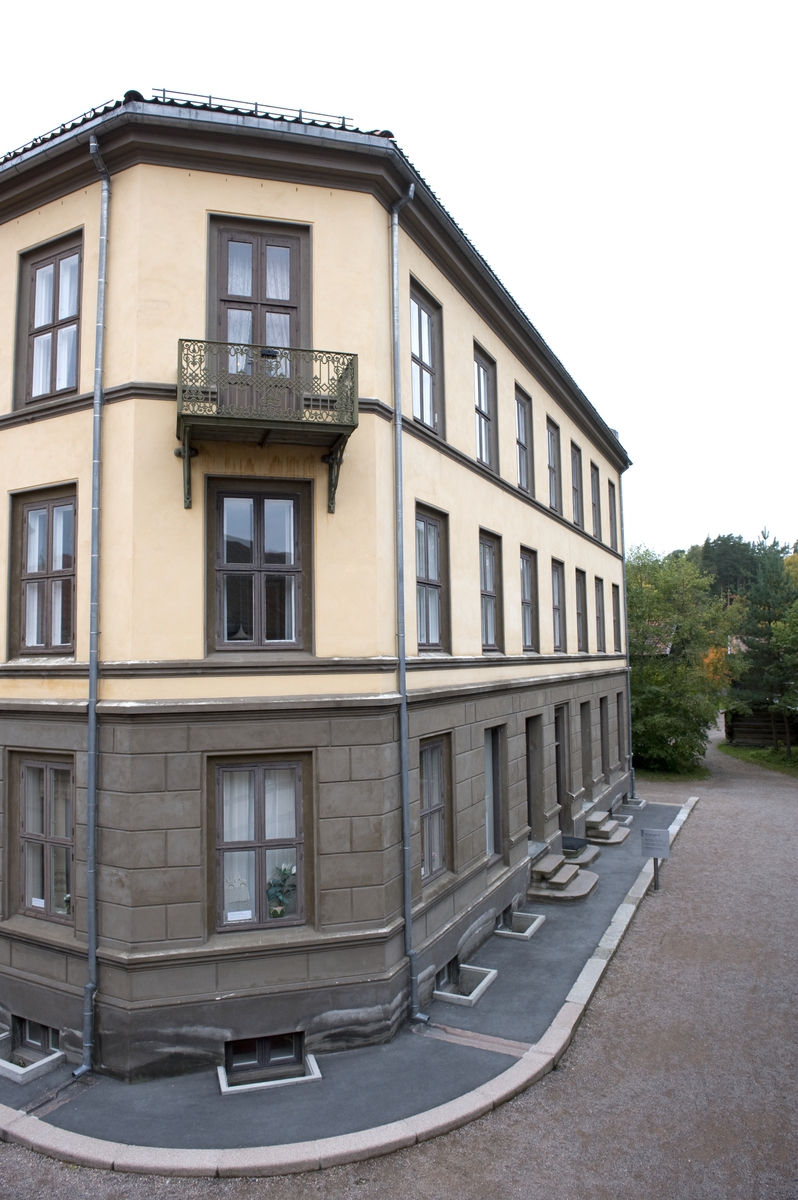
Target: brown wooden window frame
(490, 551)
(265, 1059)
(422, 303)
(576, 486)
(19, 577)
(616, 618)
(300, 493)
(559, 628)
(45, 838)
(30, 262)
(612, 501)
(494, 774)
(524, 446)
(485, 416)
(595, 499)
(260, 845)
(434, 806)
(582, 643)
(427, 584)
(601, 627)
(530, 604)
(298, 307)
(554, 465)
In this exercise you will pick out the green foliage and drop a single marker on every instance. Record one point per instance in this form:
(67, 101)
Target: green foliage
(678, 633)
(731, 561)
(769, 632)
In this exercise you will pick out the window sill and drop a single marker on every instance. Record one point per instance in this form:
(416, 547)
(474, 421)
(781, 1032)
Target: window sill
(43, 929)
(41, 660)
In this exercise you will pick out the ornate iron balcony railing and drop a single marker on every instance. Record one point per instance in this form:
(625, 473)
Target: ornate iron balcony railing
(232, 392)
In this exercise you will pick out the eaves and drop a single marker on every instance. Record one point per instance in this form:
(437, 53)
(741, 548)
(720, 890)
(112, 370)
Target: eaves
(209, 140)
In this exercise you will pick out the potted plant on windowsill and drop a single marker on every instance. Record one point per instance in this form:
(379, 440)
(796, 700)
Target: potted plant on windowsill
(281, 891)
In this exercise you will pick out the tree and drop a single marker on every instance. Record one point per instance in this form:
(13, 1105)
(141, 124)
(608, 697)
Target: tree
(680, 668)
(768, 683)
(785, 645)
(731, 561)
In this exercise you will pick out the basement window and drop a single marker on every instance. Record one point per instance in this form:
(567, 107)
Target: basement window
(32, 1041)
(280, 1056)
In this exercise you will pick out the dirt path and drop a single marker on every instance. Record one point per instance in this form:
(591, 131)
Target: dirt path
(681, 1082)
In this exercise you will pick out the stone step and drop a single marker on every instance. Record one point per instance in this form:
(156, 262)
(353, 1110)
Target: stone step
(586, 856)
(579, 888)
(616, 839)
(564, 876)
(547, 866)
(596, 819)
(604, 831)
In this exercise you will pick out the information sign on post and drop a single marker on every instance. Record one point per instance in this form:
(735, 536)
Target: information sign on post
(656, 844)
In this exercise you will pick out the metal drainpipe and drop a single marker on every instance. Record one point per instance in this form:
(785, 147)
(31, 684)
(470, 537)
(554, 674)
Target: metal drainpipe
(404, 767)
(90, 990)
(633, 795)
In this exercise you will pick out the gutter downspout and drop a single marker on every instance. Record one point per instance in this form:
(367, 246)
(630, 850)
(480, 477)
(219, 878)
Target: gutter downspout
(90, 990)
(633, 795)
(404, 766)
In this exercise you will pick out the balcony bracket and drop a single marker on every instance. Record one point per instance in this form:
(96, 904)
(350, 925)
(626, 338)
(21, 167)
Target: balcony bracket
(334, 460)
(186, 452)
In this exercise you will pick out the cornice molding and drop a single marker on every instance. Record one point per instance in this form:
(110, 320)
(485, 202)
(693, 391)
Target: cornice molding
(210, 141)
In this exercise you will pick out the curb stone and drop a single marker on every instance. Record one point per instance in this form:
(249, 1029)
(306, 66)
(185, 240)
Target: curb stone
(38, 1135)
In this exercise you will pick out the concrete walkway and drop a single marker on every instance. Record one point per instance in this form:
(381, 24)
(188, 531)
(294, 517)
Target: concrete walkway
(428, 1081)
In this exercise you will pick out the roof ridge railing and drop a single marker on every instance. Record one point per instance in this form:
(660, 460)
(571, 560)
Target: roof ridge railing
(272, 111)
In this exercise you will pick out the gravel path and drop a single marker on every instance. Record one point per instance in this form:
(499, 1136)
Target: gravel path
(681, 1082)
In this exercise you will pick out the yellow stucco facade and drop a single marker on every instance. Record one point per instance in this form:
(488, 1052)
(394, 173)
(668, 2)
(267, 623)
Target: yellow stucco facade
(175, 703)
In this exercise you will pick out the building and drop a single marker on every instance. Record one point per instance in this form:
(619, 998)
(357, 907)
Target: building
(256, 851)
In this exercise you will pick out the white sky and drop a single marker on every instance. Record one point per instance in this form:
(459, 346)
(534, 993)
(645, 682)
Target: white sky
(627, 169)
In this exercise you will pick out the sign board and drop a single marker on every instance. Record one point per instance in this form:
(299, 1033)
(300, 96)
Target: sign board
(655, 843)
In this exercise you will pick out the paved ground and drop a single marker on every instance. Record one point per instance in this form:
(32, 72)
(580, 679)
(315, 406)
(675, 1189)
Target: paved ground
(680, 1082)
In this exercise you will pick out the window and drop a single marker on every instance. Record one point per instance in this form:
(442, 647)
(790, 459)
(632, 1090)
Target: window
(553, 445)
(433, 798)
(261, 560)
(49, 321)
(621, 718)
(586, 728)
(595, 495)
(493, 793)
(576, 485)
(281, 1056)
(490, 588)
(604, 728)
(425, 345)
(485, 410)
(530, 635)
(42, 616)
(431, 607)
(523, 442)
(616, 617)
(260, 285)
(581, 611)
(32, 1041)
(46, 835)
(558, 603)
(601, 637)
(259, 844)
(613, 515)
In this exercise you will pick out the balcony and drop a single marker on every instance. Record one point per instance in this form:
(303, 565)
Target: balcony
(260, 394)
